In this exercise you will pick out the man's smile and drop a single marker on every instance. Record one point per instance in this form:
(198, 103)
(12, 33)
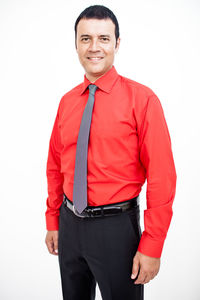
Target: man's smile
(94, 58)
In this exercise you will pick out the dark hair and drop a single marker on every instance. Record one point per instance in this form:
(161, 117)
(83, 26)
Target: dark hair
(98, 12)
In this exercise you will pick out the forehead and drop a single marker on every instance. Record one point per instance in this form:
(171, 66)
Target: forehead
(96, 27)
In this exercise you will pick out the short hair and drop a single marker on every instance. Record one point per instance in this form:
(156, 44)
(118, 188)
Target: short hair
(98, 12)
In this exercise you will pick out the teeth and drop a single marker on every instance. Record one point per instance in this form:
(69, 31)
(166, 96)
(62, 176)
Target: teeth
(94, 58)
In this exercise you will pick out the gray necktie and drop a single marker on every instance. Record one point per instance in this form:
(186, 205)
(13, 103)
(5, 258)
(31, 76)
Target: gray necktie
(80, 174)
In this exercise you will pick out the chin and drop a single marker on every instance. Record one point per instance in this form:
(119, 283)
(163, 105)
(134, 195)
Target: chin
(97, 70)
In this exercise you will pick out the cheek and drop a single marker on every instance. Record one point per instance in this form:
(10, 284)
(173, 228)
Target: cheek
(110, 51)
(82, 57)
(81, 51)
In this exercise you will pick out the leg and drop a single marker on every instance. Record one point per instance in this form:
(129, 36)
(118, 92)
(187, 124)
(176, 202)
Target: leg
(77, 279)
(114, 242)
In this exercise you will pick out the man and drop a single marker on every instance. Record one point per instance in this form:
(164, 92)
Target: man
(109, 136)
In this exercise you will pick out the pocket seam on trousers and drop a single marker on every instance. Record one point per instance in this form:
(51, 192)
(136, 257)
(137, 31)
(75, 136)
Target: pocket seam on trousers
(134, 222)
(60, 244)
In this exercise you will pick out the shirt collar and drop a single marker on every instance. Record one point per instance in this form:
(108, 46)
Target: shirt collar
(105, 82)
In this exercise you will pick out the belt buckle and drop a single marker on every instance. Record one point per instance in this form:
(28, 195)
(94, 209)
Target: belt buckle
(77, 213)
(91, 212)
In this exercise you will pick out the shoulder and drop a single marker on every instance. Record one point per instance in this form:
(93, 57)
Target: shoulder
(74, 92)
(136, 87)
(143, 97)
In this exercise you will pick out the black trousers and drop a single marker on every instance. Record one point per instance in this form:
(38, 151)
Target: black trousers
(98, 250)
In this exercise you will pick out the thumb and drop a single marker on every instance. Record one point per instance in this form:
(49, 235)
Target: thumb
(135, 268)
(55, 242)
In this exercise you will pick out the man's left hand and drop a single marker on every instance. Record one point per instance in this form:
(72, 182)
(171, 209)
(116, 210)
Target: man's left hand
(147, 267)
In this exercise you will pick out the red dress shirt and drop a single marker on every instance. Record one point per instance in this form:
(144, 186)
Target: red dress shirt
(129, 143)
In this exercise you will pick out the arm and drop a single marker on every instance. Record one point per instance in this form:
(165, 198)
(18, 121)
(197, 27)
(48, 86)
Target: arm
(157, 159)
(54, 178)
(156, 156)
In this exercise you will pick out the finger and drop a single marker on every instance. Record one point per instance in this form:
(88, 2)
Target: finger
(55, 247)
(154, 274)
(146, 280)
(141, 278)
(55, 252)
(50, 246)
(149, 277)
(135, 268)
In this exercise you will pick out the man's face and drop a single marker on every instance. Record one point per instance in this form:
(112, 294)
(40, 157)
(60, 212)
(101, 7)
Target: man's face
(96, 46)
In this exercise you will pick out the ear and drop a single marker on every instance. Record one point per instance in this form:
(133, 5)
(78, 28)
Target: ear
(117, 44)
(75, 42)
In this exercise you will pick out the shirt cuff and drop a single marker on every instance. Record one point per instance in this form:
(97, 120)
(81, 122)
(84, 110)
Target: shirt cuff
(52, 222)
(150, 247)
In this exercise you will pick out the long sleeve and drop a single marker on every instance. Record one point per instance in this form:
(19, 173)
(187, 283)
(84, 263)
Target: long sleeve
(54, 178)
(157, 158)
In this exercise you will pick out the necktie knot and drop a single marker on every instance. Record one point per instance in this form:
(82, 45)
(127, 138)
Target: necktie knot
(92, 88)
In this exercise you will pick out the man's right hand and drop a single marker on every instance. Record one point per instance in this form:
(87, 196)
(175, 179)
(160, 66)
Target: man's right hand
(52, 241)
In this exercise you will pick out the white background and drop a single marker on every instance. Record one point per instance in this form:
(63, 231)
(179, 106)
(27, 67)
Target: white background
(38, 63)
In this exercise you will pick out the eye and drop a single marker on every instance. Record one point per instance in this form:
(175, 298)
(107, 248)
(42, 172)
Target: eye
(104, 39)
(85, 39)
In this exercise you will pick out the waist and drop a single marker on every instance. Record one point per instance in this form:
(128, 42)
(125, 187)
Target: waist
(103, 210)
(103, 191)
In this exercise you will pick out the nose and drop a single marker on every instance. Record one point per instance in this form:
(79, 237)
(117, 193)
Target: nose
(94, 45)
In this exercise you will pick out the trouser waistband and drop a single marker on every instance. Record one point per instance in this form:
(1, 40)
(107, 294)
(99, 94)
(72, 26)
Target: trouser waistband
(103, 210)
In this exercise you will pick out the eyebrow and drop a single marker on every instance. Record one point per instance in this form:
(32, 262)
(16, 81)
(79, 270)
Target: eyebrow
(104, 35)
(101, 35)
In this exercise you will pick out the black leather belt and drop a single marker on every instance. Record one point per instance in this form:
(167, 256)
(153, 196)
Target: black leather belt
(102, 210)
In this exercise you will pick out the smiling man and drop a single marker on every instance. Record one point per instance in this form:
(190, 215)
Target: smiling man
(96, 46)
(109, 136)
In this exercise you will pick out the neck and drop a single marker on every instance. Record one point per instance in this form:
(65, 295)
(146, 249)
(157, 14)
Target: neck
(92, 78)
